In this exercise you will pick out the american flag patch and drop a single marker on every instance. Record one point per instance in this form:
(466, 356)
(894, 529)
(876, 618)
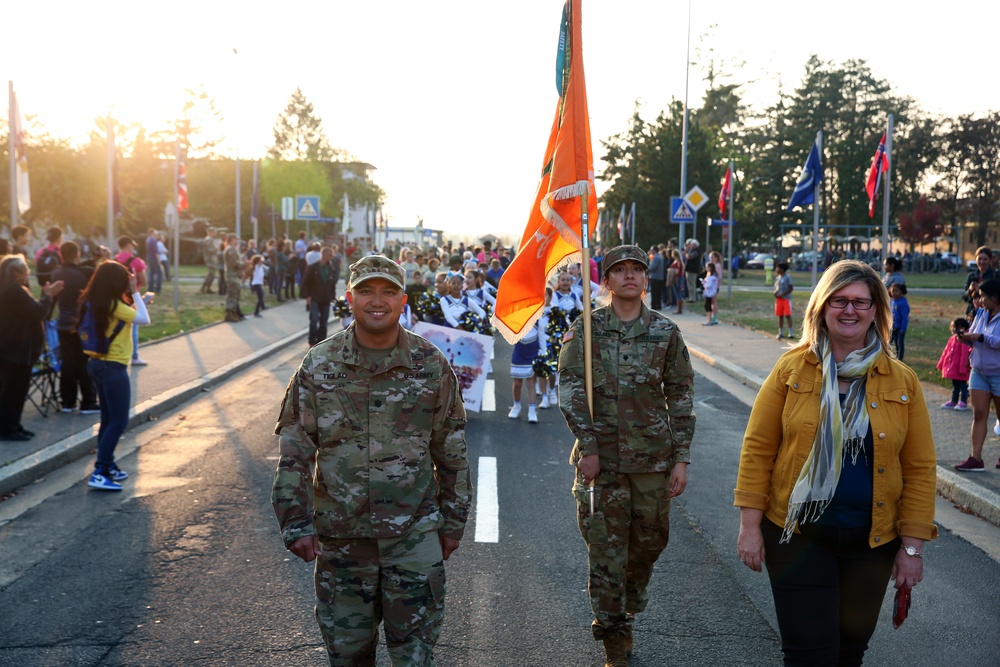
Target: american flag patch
(568, 337)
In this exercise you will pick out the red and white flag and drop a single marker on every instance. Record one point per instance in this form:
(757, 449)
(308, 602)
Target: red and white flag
(880, 164)
(724, 195)
(182, 187)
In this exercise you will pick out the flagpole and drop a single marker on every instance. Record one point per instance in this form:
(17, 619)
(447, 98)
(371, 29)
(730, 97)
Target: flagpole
(684, 133)
(729, 261)
(110, 132)
(588, 343)
(177, 226)
(885, 199)
(819, 148)
(633, 223)
(11, 124)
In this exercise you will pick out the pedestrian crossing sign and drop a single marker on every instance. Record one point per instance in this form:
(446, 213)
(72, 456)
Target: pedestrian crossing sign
(680, 210)
(306, 207)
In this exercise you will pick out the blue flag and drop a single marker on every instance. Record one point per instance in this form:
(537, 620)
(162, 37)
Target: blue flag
(812, 174)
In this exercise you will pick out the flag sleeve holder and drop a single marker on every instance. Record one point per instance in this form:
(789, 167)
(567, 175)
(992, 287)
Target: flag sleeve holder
(588, 345)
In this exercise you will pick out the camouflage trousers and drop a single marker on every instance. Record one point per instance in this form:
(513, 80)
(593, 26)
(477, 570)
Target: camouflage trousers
(232, 295)
(629, 529)
(362, 582)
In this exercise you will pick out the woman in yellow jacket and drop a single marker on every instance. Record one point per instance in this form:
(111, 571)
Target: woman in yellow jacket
(837, 474)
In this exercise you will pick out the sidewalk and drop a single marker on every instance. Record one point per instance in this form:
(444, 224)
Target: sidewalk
(749, 356)
(179, 368)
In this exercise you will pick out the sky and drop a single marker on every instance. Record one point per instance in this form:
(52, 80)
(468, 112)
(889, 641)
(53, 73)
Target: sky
(452, 100)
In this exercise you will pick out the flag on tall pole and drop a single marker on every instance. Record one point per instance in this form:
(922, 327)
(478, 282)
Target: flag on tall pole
(809, 179)
(553, 235)
(727, 185)
(630, 225)
(345, 224)
(621, 224)
(880, 165)
(256, 191)
(182, 188)
(19, 156)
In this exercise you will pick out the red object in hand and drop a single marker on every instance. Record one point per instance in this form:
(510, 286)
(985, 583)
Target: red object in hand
(900, 606)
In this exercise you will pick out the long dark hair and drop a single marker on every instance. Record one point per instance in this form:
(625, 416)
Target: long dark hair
(106, 288)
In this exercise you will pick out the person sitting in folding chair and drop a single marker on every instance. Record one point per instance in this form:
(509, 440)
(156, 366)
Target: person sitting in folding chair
(21, 341)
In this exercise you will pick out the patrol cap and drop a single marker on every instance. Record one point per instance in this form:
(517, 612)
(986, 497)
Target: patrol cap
(621, 253)
(376, 266)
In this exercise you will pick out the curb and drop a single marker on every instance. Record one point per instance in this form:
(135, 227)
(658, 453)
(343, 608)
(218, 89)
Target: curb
(31, 467)
(951, 486)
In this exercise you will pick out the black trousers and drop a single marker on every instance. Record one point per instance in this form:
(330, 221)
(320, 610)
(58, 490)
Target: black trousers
(656, 288)
(73, 375)
(828, 586)
(15, 379)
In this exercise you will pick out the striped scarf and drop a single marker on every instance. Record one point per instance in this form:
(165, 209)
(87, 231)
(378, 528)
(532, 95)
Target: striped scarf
(820, 474)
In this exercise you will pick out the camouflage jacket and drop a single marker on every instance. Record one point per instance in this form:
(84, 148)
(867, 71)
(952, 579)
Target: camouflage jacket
(232, 263)
(371, 450)
(643, 393)
(210, 252)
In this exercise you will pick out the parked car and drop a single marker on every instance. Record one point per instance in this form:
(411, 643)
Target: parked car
(950, 261)
(757, 262)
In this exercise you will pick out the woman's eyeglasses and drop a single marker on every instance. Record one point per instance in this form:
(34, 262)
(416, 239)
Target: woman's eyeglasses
(840, 302)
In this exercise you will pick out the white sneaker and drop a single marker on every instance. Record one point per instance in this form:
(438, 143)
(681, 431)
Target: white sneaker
(139, 362)
(545, 402)
(532, 415)
(515, 411)
(996, 427)
(553, 397)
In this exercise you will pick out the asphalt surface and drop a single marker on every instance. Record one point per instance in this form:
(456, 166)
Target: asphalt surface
(181, 367)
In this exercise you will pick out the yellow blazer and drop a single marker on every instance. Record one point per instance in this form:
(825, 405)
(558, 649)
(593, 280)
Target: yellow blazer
(783, 425)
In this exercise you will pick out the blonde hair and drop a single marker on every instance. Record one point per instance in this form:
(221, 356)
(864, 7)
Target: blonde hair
(834, 279)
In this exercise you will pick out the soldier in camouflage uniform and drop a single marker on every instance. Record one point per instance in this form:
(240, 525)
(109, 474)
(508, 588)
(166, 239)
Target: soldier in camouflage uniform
(210, 255)
(233, 263)
(373, 479)
(635, 449)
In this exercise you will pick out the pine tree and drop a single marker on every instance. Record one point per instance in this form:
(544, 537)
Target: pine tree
(298, 133)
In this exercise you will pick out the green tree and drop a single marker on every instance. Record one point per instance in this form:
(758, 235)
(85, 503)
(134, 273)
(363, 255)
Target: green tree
(969, 170)
(298, 133)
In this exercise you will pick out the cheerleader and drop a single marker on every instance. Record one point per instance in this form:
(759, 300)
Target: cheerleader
(577, 285)
(557, 323)
(476, 290)
(342, 309)
(461, 312)
(407, 319)
(522, 367)
(429, 303)
(566, 299)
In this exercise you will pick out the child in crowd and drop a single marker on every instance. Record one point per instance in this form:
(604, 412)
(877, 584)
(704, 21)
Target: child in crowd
(900, 317)
(783, 299)
(257, 283)
(954, 366)
(710, 288)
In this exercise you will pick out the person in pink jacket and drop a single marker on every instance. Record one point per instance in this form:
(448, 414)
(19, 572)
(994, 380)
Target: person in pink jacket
(954, 366)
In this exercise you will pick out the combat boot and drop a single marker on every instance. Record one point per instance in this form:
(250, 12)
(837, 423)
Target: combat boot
(615, 652)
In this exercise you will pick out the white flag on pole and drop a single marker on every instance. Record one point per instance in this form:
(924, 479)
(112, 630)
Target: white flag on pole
(20, 156)
(345, 224)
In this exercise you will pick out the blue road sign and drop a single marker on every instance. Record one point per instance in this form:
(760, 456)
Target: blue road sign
(307, 207)
(680, 210)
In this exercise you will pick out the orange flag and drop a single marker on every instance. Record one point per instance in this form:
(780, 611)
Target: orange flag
(553, 234)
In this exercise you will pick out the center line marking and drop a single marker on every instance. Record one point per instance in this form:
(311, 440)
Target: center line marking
(487, 504)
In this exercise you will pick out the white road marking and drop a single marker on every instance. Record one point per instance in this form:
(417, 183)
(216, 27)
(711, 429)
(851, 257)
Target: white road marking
(489, 396)
(487, 504)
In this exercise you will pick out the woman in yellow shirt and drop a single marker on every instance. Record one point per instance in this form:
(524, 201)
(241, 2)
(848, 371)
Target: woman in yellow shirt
(115, 303)
(837, 475)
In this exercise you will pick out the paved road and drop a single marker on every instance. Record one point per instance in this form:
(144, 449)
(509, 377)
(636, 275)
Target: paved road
(186, 567)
